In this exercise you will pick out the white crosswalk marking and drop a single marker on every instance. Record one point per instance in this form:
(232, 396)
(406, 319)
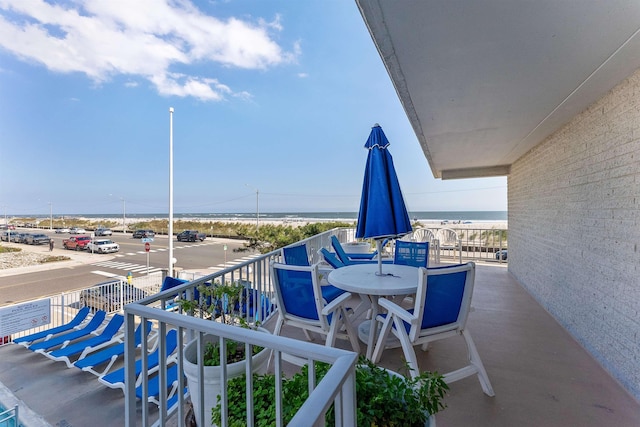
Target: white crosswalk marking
(142, 268)
(127, 266)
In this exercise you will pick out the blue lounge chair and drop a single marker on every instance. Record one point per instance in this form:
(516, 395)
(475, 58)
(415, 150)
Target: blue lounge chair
(169, 283)
(108, 336)
(48, 333)
(153, 385)
(116, 378)
(109, 355)
(64, 339)
(331, 258)
(353, 258)
(342, 254)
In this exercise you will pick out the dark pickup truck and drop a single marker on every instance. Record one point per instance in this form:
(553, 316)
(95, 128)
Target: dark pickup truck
(190, 236)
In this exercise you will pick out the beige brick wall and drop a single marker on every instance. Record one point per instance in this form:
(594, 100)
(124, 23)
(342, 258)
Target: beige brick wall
(574, 228)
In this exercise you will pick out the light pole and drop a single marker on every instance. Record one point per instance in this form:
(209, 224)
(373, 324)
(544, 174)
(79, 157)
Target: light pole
(171, 258)
(257, 209)
(50, 216)
(124, 216)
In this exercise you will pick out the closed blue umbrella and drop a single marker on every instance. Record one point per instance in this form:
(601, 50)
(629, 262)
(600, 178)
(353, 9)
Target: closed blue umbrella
(383, 213)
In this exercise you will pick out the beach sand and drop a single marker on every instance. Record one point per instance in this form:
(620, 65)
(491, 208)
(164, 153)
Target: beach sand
(433, 224)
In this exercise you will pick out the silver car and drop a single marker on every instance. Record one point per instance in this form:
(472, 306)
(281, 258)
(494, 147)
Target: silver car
(103, 232)
(37, 239)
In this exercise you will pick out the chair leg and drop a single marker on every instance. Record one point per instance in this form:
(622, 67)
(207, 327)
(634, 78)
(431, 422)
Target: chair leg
(407, 348)
(279, 323)
(474, 358)
(382, 337)
(351, 332)
(334, 327)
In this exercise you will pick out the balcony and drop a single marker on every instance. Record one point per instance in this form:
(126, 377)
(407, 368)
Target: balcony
(540, 374)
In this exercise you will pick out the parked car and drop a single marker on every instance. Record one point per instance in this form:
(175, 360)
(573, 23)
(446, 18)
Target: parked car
(62, 230)
(139, 234)
(190, 236)
(103, 232)
(6, 235)
(502, 255)
(110, 296)
(103, 246)
(77, 230)
(19, 237)
(37, 239)
(77, 243)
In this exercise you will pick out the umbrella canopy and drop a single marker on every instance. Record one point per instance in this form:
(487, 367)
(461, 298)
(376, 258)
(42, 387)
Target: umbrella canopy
(383, 213)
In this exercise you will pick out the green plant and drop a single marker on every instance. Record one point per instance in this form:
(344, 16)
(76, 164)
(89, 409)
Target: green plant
(222, 302)
(384, 399)
(6, 249)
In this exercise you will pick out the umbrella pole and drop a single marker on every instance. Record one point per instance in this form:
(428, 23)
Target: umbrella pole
(379, 247)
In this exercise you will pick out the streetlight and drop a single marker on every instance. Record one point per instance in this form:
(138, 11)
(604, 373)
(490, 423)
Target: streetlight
(50, 216)
(124, 215)
(124, 218)
(171, 258)
(257, 208)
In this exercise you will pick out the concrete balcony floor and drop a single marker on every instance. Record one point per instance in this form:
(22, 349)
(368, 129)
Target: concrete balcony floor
(540, 374)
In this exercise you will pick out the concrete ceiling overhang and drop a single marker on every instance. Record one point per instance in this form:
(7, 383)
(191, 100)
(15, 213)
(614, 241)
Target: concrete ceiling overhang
(483, 82)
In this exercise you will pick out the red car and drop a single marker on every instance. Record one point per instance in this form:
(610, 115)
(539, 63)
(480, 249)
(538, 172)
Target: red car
(78, 243)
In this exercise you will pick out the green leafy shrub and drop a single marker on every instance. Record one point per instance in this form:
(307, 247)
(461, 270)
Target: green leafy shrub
(383, 399)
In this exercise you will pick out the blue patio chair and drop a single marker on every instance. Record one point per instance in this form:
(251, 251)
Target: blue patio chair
(300, 304)
(441, 308)
(415, 254)
(296, 255)
(108, 336)
(116, 378)
(108, 356)
(64, 339)
(48, 333)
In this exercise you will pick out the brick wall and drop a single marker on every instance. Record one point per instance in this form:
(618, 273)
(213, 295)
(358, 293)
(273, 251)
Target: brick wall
(574, 228)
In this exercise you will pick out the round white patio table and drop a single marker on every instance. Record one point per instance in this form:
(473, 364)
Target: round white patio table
(362, 279)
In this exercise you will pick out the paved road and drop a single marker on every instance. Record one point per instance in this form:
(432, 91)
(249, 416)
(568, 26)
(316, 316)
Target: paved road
(86, 269)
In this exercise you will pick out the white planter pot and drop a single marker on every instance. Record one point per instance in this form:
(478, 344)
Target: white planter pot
(212, 387)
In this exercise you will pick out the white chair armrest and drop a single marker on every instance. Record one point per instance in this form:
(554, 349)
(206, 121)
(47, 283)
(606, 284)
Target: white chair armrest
(335, 304)
(394, 308)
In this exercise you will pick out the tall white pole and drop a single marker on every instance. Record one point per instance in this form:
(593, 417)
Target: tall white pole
(257, 207)
(170, 191)
(50, 216)
(124, 217)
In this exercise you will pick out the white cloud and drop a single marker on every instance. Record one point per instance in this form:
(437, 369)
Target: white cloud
(144, 38)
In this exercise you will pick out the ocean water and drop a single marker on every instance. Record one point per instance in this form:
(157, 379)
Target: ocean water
(477, 216)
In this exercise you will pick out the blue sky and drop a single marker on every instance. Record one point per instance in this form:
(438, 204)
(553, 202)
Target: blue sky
(272, 96)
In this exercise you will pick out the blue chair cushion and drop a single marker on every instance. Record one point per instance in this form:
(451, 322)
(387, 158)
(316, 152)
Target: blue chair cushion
(330, 292)
(297, 293)
(444, 299)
